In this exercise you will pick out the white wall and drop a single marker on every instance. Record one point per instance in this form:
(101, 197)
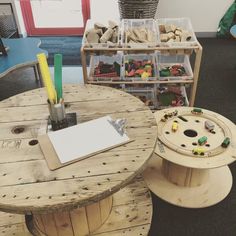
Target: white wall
(204, 14)
(20, 21)
(103, 10)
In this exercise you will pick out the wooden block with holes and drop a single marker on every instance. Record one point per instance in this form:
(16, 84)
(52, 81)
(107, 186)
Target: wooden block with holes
(189, 167)
(13, 224)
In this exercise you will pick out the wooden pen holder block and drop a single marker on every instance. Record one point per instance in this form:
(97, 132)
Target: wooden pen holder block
(56, 125)
(70, 120)
(57, 116)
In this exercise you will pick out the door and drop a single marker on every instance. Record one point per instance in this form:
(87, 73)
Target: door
(55, 17)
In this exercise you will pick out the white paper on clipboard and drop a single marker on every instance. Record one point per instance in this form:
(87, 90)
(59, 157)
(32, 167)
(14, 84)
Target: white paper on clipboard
(86, 139)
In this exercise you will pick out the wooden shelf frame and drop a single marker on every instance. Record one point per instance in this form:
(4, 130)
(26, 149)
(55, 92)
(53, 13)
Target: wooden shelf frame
(177, 50)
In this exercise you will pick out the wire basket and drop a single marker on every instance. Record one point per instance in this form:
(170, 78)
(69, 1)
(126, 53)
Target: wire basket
(137, 9)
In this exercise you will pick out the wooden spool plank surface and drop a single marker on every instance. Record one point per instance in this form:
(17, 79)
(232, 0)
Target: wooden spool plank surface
(26, 183)
(13, 224)
(131, 212)
(209, 193)
(131, 215)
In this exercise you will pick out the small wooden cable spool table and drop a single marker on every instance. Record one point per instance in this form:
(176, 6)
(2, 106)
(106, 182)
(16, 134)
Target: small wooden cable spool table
(82, 198)
(185, 171)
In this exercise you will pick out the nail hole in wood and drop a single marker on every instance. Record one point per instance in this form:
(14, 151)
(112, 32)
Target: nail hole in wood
(27, 198)
(85, 188)
(18, 130)
(4, 195)
(207, 145)
(89, 171)
(67, 104)
(183, 145)
(33, 142)
(4, 174)
(133, 160)
(38, 197)
(104, 163)
(14, 196)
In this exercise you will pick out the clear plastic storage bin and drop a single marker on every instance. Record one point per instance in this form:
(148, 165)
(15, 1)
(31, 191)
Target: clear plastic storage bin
(171, 96)
(147, 94)
(139, 59)
(187, 35)
(90, 25)
(105, 68)
(139, 33)
(178, 66)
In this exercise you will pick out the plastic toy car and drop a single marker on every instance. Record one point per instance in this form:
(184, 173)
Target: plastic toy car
(199, 151)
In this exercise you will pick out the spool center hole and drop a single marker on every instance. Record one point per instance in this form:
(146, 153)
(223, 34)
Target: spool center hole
(18, 130)
(190, 133)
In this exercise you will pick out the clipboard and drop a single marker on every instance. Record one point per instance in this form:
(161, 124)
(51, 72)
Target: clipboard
(69, 145)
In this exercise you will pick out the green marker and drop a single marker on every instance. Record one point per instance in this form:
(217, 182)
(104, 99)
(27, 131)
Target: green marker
(58, 75)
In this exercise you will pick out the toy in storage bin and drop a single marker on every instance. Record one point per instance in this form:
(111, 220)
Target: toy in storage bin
(105, 68)
(176, 32)
(139, 67)
(174, 67)
(139, 33)
(102, 28)
(146, 93)
(171, 96)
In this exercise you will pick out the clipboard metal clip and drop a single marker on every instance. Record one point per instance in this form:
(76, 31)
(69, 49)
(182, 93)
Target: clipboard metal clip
(119, 125)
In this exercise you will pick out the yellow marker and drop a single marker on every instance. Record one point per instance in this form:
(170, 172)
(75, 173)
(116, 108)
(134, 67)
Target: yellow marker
(44, 69)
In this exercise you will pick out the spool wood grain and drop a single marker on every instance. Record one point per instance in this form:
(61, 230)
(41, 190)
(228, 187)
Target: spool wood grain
(178, 176)
(130, 215)
(26, 183)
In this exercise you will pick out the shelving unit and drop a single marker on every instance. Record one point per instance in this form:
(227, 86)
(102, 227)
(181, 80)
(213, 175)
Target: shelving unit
(8, 25)
(179, 50)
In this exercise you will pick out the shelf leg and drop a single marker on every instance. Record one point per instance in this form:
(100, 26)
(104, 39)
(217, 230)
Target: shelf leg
(84, 65)
(195, 75)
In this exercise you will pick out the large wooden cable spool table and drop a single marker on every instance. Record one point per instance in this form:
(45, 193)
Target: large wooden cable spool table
(76, 199)
(185, 173)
